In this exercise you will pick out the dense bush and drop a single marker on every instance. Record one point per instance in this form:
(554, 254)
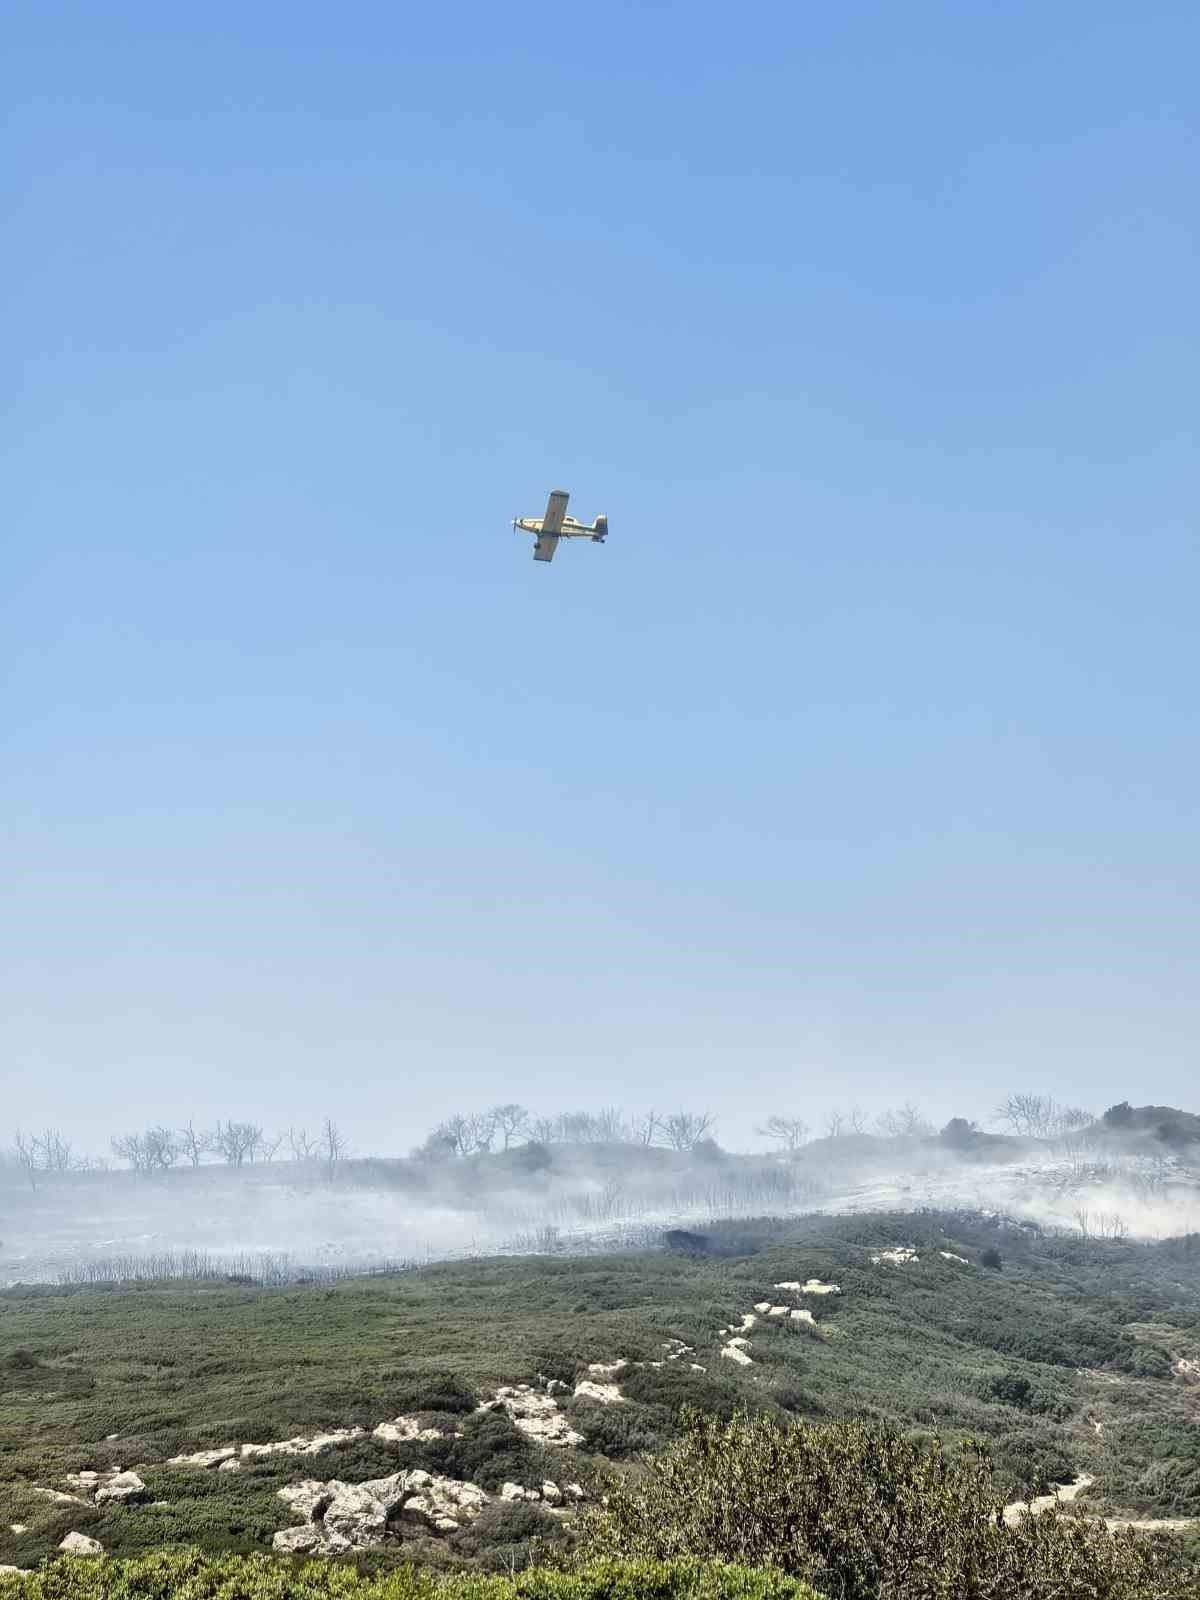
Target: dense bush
(1015, 1389)
(166, 1575)
(862, 1513)
(435, 1391)
(619, 1432)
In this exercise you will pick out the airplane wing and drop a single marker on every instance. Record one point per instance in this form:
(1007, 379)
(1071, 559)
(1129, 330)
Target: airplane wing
(552, 523)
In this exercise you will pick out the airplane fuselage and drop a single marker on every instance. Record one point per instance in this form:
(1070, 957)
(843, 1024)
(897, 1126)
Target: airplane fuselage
(570, 529)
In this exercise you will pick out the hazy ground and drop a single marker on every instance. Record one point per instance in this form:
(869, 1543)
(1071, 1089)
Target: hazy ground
(377, 1213)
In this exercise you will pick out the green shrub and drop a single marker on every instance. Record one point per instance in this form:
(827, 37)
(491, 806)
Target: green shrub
(619, 1432)
(435, 1391)
(863, 1514)
(168, 1575)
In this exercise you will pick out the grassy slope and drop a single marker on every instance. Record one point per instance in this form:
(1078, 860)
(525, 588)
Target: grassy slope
(1090, 1329)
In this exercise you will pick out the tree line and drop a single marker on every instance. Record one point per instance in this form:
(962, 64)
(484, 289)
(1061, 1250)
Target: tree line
(502, 1126)
(159, 1148)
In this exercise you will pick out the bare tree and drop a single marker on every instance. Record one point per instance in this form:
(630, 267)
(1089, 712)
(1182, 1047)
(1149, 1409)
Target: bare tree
(478, 1133)
(543, 1130)
(510, 1120)
(155, 1150)
(856, 1120)
(194, 1143)
(906, 1122)
(611, 1126)
(334, 1147)
(645, 1129)
(27, 1157)
(268, 1147)
(466, 1134)
(162, 1148)
(683, 1130)
(303, 1147)
(237, 1142)
(1028, 1115)
(54, 1151)
(835, 1124)
(790, 1131)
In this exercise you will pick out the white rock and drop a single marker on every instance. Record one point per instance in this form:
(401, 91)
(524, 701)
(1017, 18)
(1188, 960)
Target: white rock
(403, 1430)
(358, 1512)
(297, 1541)
(58, 1496)
(575, 1490)
(303, 1446)
(442, 1500)
(307, 1499)
(902, 1256)
(121, 1489)
(230, 1466)
(762, 1307)
(78, 1544)
(5, 1567)
(356, 1516)
(602, 1369)
(18, 1527)
(731, 1352)
(948, 1255)
(802, 1314)
(811, 1286)
(205, 1458)
(778, 1311)
(695, 1368)
(536, 1415)
(551, 1493)
(511, 1491)
(605, 1394)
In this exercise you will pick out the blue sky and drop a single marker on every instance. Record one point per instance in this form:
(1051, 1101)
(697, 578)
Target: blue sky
(859, 765)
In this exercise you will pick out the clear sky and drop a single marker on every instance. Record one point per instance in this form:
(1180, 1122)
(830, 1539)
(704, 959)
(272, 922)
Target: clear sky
(860, 765)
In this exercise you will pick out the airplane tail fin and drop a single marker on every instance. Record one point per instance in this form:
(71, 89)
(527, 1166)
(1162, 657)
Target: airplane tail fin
(601, 532)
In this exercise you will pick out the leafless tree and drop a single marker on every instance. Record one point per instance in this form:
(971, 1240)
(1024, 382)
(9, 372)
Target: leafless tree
(129, 1147)
(906, 1122)
(155, 1150)
(334, 1147)
(645, 1129)
(578, 1127)
(835, 1124)
(683, 1130)
(467, 1134)
(543, 1130)
(54, 1151)
(237, 1142)
(611, 1126)
(478, 1133)
(302, 1146)
(27, 1157)
(268, 1146)
(162, 1148)
(856, 1120)
(194, 1143)
(510, 1121)
(791, 1132)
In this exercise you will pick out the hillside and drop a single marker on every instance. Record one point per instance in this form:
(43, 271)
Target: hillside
(1068, 1356)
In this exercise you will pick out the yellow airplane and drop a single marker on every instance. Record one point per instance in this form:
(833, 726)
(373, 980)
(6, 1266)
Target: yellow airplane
(556, 525)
